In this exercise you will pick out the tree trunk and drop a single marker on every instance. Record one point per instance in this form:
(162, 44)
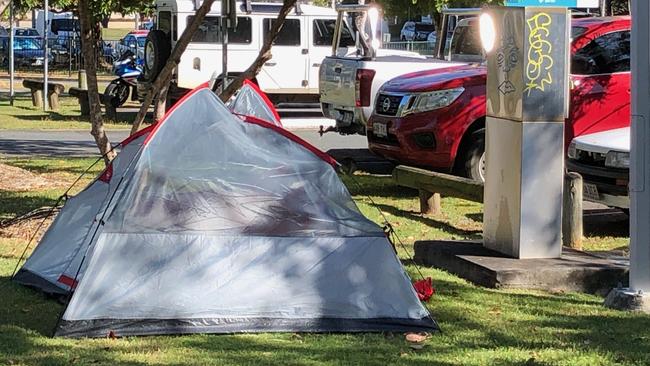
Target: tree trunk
(162, 80)
(160, 103)
(89, 39)
(263, 56)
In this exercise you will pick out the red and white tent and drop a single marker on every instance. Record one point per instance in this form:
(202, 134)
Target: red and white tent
(207, 223)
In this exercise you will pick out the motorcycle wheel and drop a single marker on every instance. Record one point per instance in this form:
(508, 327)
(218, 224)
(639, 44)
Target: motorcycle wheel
(118, 93)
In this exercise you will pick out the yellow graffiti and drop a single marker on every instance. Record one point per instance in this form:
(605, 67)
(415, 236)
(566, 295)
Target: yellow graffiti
(540, 61)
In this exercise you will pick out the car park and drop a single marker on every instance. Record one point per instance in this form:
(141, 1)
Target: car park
(436, 119)
(28, 51)
(416, 31)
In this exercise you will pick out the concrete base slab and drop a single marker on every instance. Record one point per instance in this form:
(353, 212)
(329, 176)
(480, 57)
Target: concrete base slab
(627, 299)
(574, 271)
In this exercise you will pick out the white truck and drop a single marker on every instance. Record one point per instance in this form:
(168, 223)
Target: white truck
(290, 78)
(349, 83)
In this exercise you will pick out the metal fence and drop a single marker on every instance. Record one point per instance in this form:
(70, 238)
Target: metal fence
(64, 55)
(421, 47)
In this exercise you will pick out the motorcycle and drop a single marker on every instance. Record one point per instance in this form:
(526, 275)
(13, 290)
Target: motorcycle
(128, 69)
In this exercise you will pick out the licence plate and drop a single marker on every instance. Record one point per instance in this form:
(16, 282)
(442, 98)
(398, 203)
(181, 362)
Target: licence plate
(590, 191)
(379, 129)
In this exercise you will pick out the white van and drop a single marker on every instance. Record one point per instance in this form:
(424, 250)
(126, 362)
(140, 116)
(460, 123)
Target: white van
(290, 78)
(60, 25)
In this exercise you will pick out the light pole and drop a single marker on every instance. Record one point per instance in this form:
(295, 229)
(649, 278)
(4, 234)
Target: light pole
(45, 55)
(637, 296)
(11, 53)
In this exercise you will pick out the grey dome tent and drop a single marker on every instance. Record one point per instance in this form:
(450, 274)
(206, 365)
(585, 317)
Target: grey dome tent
(210, 223)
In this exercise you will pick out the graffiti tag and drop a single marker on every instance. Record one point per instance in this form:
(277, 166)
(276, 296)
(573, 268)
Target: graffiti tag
(540, 61)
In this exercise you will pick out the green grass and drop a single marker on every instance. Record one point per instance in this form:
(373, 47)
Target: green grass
(480, 326)
(24, 116)
(114, 33)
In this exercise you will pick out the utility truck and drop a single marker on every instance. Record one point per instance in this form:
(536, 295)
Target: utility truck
(349, 83)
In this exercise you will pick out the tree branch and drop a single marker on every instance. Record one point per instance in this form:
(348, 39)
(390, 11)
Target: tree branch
(166, 73)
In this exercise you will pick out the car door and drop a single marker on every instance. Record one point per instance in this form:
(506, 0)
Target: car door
(285, 72)
(600, 85)
(321, 33)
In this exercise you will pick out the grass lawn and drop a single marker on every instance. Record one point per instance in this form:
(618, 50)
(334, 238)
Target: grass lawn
(480, 326)
(23, 116)
(111, 34)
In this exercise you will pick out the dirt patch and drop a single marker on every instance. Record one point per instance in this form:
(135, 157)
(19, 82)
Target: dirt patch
(20, 180)
(24, 229)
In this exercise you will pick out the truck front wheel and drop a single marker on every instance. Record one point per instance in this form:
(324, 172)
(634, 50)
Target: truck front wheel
(474, 157)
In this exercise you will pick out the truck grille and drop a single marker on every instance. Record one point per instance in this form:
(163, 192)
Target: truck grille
(388, 105)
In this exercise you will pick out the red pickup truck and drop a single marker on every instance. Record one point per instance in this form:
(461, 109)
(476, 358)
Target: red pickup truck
(436, 118)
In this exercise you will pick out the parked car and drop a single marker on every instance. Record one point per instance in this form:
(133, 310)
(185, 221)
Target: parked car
(408, 31)
(436, 118)
(349, 84)
(19, 32)
(416, 31)
(603, 160)
(26, 32)
(133, 42)
(28, 51)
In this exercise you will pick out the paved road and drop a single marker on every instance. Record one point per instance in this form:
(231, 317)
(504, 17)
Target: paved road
(80, 143)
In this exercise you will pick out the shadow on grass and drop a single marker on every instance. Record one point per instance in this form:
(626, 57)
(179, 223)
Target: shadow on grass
(17, 203)
(539, 321)
(377, 186)
(452, 230)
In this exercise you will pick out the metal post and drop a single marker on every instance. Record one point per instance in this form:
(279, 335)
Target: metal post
(11, 53)
(640, 174)
(224, 50)
(45, 54)
(637, 296)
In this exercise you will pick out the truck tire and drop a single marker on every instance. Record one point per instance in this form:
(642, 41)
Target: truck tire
(156, 52)
(474, 157)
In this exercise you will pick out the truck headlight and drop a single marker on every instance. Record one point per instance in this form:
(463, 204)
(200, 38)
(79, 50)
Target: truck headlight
(617, 159)
(434, 100)
(572, 152)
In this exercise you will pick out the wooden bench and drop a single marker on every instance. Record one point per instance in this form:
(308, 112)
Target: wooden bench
(431, 185)
(82, 97)
(107, 101)
(53, 91)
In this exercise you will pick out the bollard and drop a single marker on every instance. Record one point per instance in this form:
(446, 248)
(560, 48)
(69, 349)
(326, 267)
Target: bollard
(429, 202)
(572, 211)
(83, 81)
(37, 98)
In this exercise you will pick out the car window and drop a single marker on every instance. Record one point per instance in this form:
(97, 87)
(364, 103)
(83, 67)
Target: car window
(165, 21)
(210, 31)
(425, 27)
(289, 34)
(323, 30)
(606, 54)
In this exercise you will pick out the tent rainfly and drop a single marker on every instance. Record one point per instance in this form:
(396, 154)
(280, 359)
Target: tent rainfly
(211, 223)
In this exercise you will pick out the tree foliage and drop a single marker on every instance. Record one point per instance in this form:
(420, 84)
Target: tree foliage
(99, 9)
(412, 9)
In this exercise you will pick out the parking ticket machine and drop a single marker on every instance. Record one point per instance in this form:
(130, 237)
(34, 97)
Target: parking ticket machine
(527, 98)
